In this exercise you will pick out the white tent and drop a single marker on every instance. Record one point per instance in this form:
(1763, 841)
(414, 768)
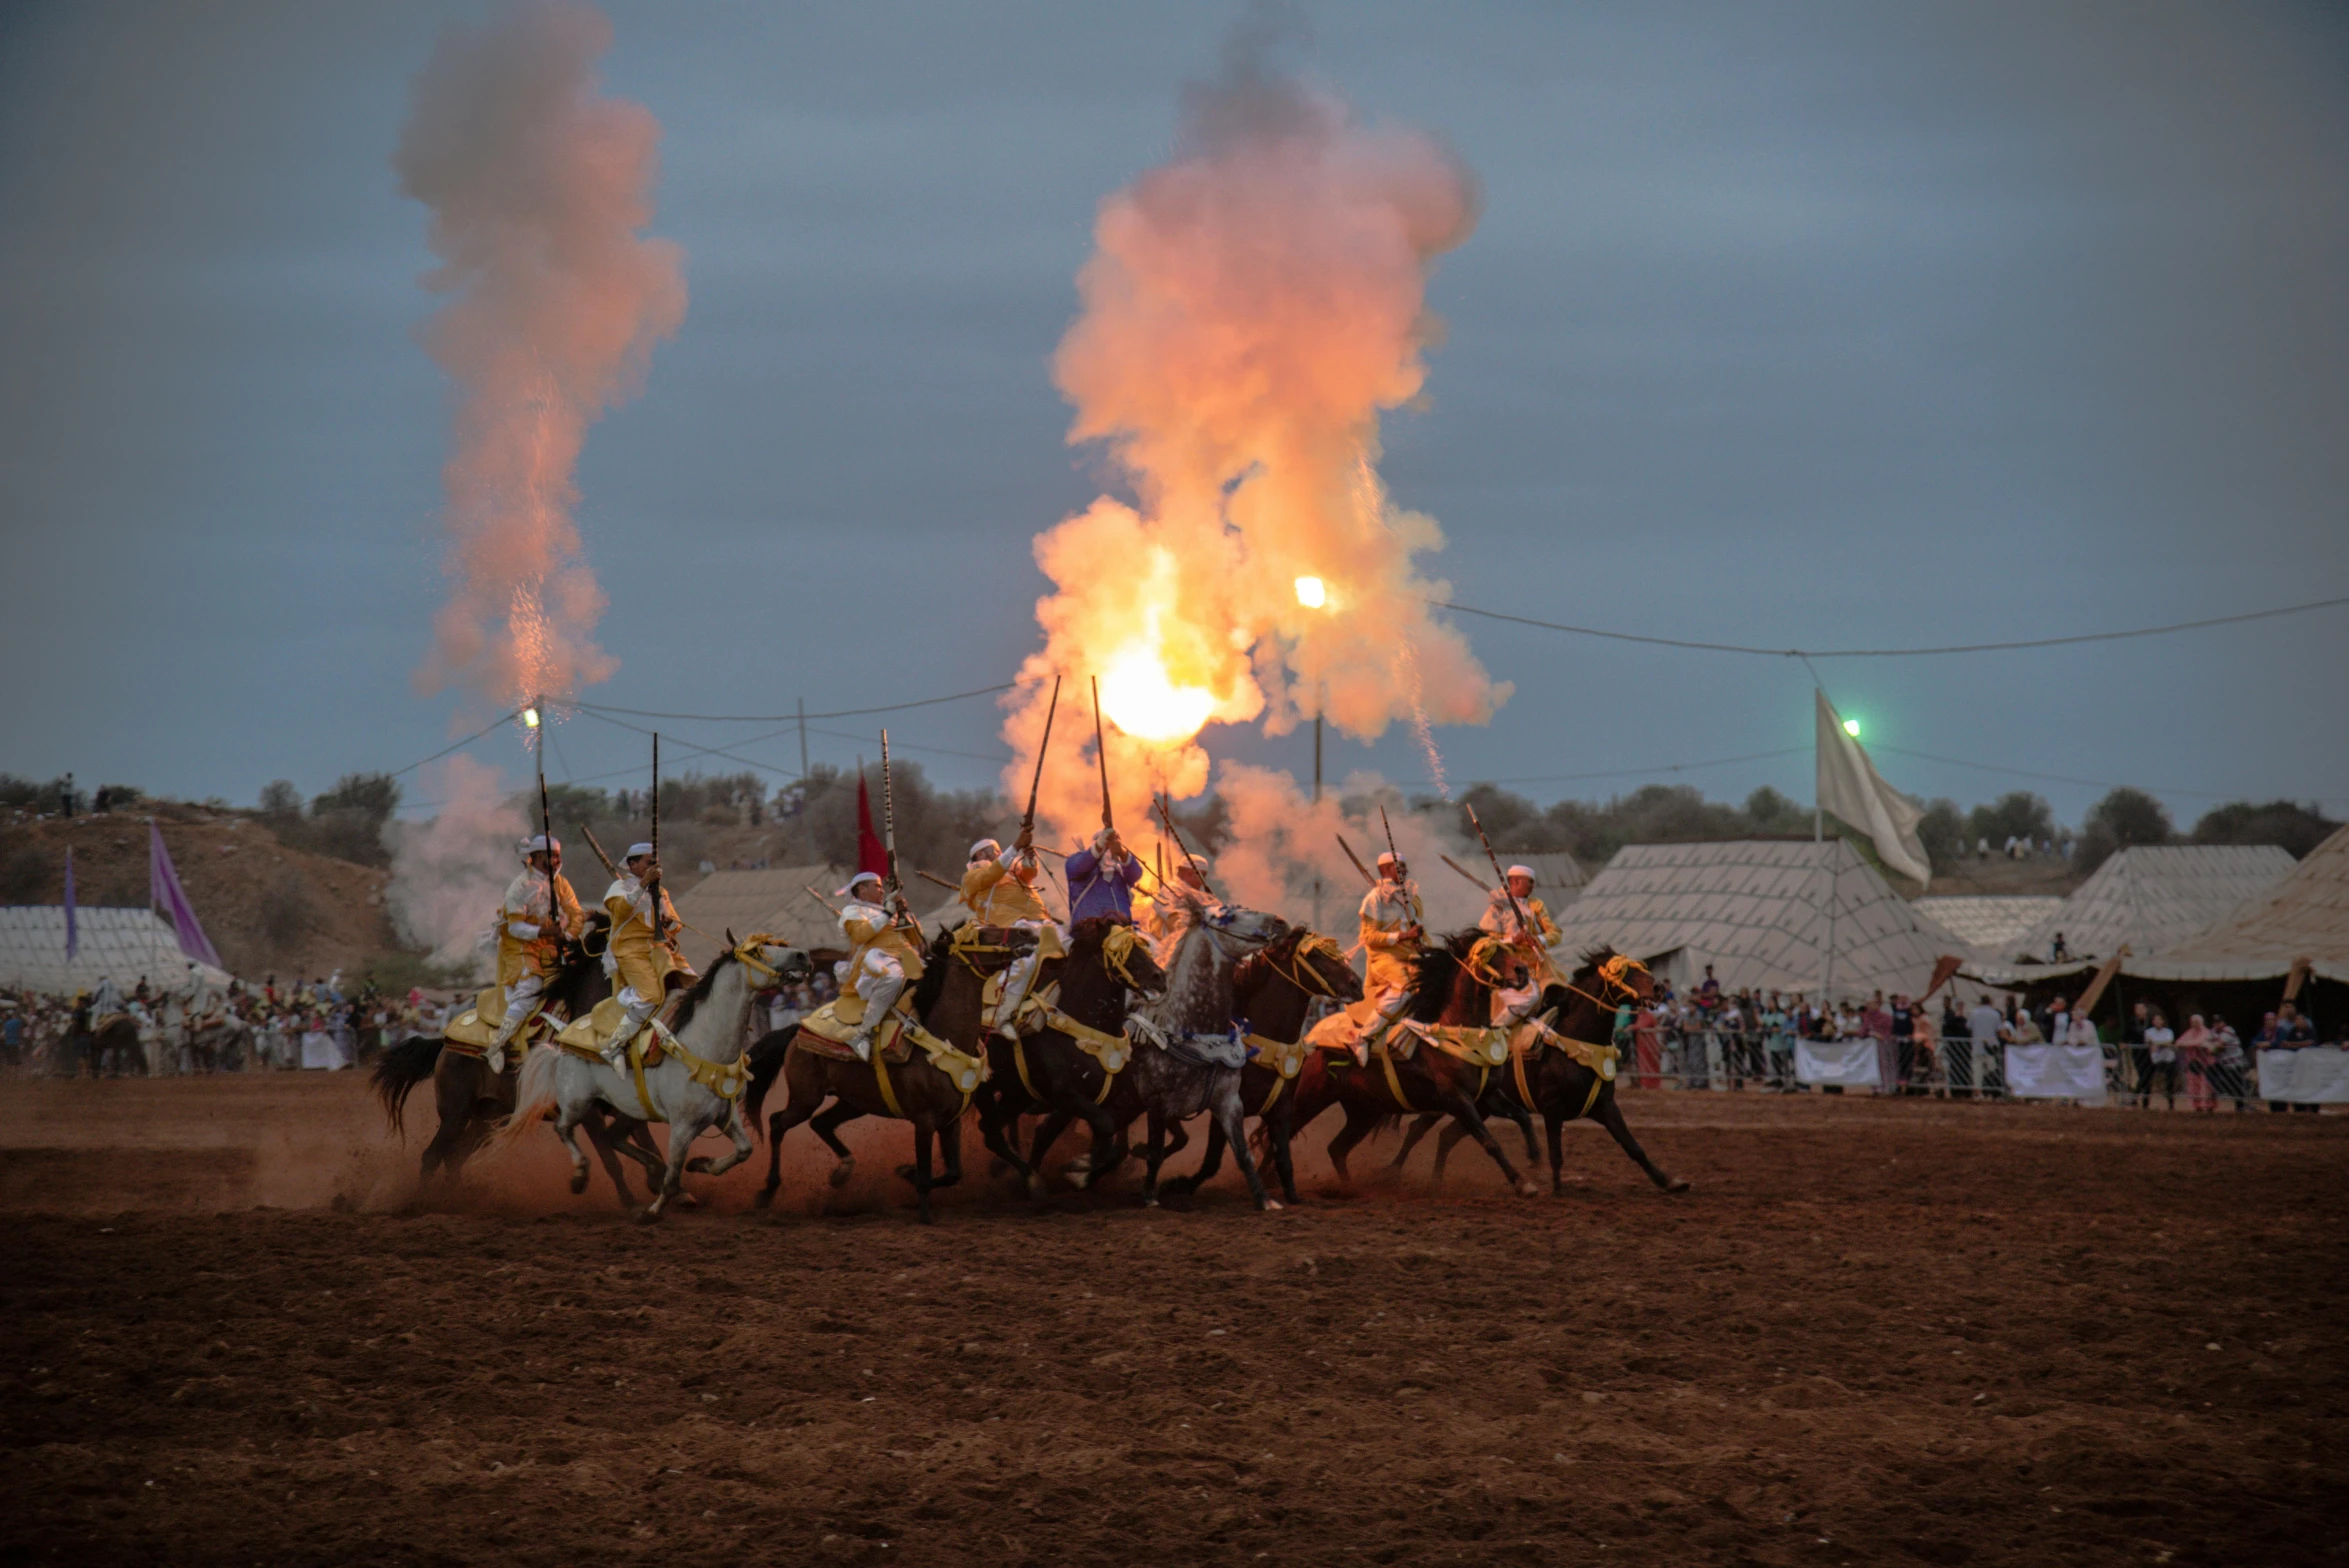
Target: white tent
(780, 903)
(123, 943)
(1992, 924)
(2305, 915)
(1766, 913)
(2154, 897)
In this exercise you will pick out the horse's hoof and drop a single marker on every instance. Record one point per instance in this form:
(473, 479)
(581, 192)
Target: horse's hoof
(905, 1173)
(648, 1215)
(578, 1183)
(843, 1173)
(1078, 1176)
(765, 1198)
(1677, 1184)
(699, 1165)
(1272, 1205)
(1526, 1189)
(686, 1200)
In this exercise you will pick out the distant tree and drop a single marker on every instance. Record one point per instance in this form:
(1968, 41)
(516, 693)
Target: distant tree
(377, 795)
(26, 794)
(2020, 814)
(1770, 812)
(2121, 820)
(2285, 823)
(1943, 833)
(279, 798)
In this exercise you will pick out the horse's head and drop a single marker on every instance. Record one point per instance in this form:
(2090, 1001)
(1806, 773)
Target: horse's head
(771, 962)
(1614, 979)
(1120, 952)
(1254, 926)
(1313, 963)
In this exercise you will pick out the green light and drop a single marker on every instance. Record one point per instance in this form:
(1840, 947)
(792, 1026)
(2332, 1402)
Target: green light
(1851, 727)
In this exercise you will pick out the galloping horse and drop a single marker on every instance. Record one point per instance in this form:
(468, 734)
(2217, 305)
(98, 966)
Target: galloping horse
(695, 1086)
(947, 1000)
(1564, 1071)
(1273, 989)
(117, 1040)
(1051, 1070)
(472, 1100)
(1452, 987)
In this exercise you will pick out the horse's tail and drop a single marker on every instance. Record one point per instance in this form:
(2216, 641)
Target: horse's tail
(766, 1056)
(399, 1070)
(534, 1095)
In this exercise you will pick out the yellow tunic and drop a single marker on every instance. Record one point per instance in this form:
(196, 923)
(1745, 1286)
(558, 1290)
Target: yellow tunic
(1386, 912)
(526, 901)
(881, 935)
(997, 897)
(640, 961)
(1533, 943)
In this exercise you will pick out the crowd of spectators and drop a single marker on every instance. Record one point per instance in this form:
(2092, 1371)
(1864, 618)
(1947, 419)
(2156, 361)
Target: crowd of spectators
(265, 1027)
(1712, 1037)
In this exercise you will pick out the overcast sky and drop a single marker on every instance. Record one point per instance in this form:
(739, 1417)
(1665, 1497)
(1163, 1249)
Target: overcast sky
(1827, 325)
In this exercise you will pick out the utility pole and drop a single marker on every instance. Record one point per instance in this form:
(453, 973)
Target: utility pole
(807, 831)
(1319, 702)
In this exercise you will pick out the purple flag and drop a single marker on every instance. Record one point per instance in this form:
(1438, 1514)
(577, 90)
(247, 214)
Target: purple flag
(163, 889)
(73, 935)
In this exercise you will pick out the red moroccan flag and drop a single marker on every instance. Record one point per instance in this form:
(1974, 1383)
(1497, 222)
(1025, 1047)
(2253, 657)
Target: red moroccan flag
(871, 855)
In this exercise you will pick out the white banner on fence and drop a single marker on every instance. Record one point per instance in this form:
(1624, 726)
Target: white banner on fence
(2313, 1075)
(1848, 1063)
(2055, 1072)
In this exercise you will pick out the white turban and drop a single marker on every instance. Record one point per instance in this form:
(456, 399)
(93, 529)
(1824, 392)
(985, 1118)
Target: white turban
(538, 842)
(985, 846)
(1522, 871)
(638, 852)
(855, 882)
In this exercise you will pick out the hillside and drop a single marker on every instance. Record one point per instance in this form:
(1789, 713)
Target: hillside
(268, 909)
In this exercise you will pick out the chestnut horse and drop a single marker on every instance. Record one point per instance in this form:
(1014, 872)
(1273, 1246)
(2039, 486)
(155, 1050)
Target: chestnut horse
(948, 1000)
(1557, 1084)
(1272, 992)
(1452, 985)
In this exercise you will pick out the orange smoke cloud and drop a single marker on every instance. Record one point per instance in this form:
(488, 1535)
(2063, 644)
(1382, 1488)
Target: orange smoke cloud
(1250, 309)
(1280, 841)
(539, 188)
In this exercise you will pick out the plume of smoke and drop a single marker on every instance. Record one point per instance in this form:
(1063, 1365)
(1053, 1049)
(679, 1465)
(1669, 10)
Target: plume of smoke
(1251, 308)
(1280, 840)
(449, 874)
(539, 189)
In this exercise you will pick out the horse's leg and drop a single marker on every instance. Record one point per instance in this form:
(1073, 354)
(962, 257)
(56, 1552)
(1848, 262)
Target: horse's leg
(1359, 1125)
(1446, 1142)
(1610, 1116)
(1464, 1111)
(1154, 1156)
(823, 1126)
(798, 1102)
(672, 1182)
(1411, 1136)
(1209, 1164)
(1555, 1122)
(1227, 1117)
(1284, 1130)
(732, 1127)
(567, 1129)
(1048, 1133)
(921, 1178)
(950, 1146)
(453, 1095)
(607, 1150)
(995, 1116)
(1524, 1120)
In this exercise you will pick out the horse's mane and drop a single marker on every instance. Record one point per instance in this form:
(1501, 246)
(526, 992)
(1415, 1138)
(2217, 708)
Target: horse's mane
(1090, 932)
(1592, 958)
(700, 992)
(933, 980)
(1436, 970)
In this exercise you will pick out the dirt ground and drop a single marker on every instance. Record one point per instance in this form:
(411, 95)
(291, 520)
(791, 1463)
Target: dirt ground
(1874, 1333)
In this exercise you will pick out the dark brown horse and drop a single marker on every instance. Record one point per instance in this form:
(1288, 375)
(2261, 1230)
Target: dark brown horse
(1452, 985)
(1106, 966)
(472, 1100)
(1273, 991)
(1559, 1085)
(118, 1039)
(948, 1000)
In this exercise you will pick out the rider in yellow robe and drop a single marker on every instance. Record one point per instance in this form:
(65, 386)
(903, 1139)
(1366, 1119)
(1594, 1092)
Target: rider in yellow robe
(1394, 929)
(532, 931)
(885, 955)
(1530, 932)
(643, 951)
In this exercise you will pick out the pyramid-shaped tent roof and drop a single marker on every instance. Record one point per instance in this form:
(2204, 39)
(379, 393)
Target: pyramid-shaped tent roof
(1763, 912)
(123, 943)
(2305, 914)
(1992, 924)
(779, 903)
(2156, 896)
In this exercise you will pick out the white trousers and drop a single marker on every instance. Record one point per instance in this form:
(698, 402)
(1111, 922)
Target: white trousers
(1020, 978)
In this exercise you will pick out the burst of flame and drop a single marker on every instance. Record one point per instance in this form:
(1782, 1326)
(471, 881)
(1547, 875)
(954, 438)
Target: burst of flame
(1139, 697)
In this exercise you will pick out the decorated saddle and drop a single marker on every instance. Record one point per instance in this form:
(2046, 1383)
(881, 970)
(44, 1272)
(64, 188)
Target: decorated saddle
(472, 1031)
(827, 1031)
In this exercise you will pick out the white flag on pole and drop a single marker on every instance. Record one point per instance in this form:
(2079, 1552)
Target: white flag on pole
(1850, 787)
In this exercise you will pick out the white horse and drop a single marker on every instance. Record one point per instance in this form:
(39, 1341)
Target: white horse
(694, 1091)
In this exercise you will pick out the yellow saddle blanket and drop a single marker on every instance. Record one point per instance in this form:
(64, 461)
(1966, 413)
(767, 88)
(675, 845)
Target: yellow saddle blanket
(826, 1032)
(477, 1026)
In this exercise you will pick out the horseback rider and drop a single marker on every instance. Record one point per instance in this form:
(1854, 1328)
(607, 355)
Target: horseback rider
(1177, 906)
(643, 952)
(1530, 939)
(1101, 879)
(107, 998)
(885, 955)
(1002, 892)
(532, 933)
(1394, 929)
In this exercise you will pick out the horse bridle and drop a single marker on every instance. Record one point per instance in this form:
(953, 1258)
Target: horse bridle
(1612, 972)
(746, 953)
(1297, 972)
(1117, 948)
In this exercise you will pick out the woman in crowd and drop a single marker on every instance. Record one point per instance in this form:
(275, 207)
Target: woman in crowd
(2161, 1060)
(2227, 1075)
(2194, 1057)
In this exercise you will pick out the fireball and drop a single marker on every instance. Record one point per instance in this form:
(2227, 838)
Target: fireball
(1139, 697)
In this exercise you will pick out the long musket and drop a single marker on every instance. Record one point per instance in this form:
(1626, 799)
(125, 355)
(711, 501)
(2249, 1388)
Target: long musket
(1390, 832)
(1515, 909)
(1464, 871)
(588, 834)
(1101, 755)
(660, 922)
(896, 889)
(546, 827)
(1028, 819)
(1357, 859)
(1166, 815)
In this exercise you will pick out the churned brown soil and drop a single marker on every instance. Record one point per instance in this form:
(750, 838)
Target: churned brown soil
(1874, 1333)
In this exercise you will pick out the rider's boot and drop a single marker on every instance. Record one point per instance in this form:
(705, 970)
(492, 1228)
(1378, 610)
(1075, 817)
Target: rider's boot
(884, 997)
